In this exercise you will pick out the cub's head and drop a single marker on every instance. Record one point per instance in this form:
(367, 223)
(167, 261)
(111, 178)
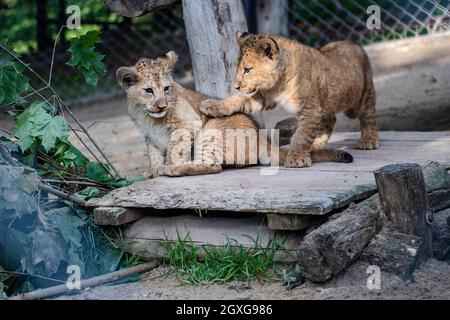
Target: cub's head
(258, 63)
(149, 84)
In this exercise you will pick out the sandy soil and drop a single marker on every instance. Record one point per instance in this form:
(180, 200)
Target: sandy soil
(430, 281)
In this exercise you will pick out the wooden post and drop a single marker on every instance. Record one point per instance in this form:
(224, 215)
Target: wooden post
(211, 28)
(272, 17)
(333, 246)
(404, 200)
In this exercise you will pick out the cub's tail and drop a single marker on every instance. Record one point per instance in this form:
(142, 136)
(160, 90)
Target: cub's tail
(331, 155)
(325, 155)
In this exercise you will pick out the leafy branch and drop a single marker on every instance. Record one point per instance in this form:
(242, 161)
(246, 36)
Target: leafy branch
(86, 59)
(48, 232)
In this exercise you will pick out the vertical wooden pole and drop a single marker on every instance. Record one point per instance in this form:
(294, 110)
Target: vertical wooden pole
(211, 28)
(404, 200)
(272, 16)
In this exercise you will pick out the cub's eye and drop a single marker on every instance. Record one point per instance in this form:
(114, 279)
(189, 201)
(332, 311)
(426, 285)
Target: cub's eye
(149, 90)
(166, 89)
(247, 70)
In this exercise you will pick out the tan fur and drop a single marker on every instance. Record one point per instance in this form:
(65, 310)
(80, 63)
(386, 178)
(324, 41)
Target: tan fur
(312, 84)
(169, 111)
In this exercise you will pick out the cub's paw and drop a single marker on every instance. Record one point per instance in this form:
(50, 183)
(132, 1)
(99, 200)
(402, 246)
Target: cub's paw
(172, 171)
(297, 160)
(154, 172)
(211, 108)
(368, 144)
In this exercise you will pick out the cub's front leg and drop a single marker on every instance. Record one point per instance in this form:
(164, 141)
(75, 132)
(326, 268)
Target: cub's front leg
(156, 158)
(180, 147)
(299, 154)
(234, 104)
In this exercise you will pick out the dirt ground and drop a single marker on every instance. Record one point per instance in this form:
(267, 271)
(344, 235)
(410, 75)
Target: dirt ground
(430, 281)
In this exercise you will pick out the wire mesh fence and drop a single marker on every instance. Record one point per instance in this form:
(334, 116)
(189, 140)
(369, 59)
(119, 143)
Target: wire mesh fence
(313, 22)
(122, 44)
(317, 22)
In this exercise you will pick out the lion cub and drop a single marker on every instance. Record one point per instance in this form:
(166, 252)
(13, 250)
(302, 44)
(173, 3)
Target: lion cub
(169, 117)
(312, 84)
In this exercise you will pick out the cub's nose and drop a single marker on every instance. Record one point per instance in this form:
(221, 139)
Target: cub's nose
(161, 108)
(237, 86)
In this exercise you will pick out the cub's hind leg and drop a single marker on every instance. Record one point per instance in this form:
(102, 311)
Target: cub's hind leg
(326, 128)
(208, 161)
(367, 115)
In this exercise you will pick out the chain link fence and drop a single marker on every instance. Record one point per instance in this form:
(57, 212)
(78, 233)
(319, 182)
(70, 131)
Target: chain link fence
(316, 22)
(122, 44)
(313, 22)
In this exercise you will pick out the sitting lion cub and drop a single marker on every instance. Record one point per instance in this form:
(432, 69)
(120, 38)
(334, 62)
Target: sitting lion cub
(312, 84)
(168, 115)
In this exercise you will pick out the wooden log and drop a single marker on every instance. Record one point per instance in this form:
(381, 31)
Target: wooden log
(441, 235)
(116, 216)
(439, 200)
(292, 222)
(436, 176)
(332, 247)
(92, 282)
(272, 17)
(211, 28)
(145, 237)
(394, 252)
(437, 182)
(134, 8)
(404, 200)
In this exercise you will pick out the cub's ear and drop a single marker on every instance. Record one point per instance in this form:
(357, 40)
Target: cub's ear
(170, 59)
(127, 77)
(240, 37)
(268, 47)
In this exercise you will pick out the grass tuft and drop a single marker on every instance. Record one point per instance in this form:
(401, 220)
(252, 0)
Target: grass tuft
(219, 264)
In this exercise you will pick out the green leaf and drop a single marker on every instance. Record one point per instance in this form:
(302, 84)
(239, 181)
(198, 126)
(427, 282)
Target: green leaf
(47, 248)
(89, 193)
(137, 178)
(98, 172)
(13, 82)
(68, 225)
(91, 77)
(36, 124)
(55, 130)
(85, 59)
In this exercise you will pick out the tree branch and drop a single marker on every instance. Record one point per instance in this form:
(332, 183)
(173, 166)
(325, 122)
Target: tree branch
(134, 8)
(96, 281)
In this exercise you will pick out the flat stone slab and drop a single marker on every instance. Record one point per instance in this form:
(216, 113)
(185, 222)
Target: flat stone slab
(317, 190)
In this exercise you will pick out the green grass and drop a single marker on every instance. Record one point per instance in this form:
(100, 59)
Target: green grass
(219, 264)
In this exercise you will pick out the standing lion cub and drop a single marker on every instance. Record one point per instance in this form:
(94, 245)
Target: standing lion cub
(312, 84)
(169, 117)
